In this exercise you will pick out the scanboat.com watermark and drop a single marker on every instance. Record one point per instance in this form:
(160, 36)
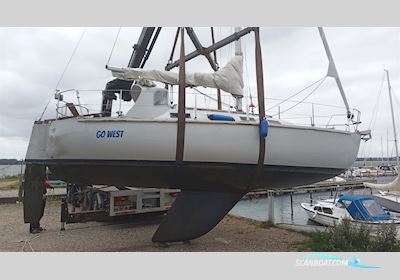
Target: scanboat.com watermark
(319, 260)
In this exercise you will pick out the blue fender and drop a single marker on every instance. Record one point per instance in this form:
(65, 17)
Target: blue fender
(264, 128)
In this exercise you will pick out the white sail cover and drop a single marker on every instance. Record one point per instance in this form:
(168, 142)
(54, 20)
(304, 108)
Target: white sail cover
(228, 79)
(392, 186)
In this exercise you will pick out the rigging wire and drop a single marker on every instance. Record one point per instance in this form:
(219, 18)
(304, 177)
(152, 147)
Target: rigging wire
(306, 102)
(64, 71)
(297, 93)
(115, 42)
(49, 198)
(373, 119)
(213, 98)
(321, 81)
(376, 107)
(395, 97)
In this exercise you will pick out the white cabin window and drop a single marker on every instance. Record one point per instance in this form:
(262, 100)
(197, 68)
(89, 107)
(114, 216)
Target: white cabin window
(340, 205)
(249, 119)
(327, 210)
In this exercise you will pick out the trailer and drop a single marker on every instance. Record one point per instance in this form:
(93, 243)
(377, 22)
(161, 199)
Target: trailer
(104, 203)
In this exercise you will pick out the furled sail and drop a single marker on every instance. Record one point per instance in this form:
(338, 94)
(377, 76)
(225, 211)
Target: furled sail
(392, 186)
(228, 78)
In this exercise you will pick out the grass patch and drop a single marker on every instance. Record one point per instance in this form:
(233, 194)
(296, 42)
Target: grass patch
(11, 205)
(53, 202)
(346, 238)
(267, 224)
(9, 179)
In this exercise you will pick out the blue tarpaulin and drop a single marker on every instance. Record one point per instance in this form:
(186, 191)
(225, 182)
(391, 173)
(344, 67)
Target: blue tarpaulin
(364, 208)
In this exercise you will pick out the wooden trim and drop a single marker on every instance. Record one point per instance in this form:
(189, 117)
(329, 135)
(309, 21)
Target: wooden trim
(260, 96)
(72, 109)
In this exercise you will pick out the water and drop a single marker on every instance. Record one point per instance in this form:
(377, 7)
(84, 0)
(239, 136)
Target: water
(10, 170)
(256, 209)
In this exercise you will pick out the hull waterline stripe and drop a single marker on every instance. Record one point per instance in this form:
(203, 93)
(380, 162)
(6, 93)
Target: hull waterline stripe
(155, 163)
(320, 213)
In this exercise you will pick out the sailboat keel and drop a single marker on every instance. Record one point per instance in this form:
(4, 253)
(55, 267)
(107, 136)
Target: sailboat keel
(195, 213)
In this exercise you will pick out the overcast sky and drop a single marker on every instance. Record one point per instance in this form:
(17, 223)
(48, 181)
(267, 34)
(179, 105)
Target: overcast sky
(32, 60)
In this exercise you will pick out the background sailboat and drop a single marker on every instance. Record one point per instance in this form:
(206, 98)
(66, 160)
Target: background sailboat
(389, 195)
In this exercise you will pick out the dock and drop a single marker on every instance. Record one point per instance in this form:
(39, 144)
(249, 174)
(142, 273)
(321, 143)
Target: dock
(313, 188)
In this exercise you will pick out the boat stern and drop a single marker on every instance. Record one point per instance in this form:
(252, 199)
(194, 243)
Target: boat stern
(37, 148)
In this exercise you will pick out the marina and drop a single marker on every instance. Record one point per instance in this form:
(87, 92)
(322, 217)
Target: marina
(257, 208)
(134, 147)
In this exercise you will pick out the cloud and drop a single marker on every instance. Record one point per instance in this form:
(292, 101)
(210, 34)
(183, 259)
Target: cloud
(32, 60)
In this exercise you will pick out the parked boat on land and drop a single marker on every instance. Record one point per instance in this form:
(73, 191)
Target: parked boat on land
(213, 156)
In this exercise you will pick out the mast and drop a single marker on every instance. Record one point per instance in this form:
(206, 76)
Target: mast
(219, 102)
(332, 71)
(387, 147)
(382, 151)
(393, 121)
(238, 52)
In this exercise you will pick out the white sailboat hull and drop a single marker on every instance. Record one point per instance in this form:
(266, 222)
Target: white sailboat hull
(217, 155)
(390, 201)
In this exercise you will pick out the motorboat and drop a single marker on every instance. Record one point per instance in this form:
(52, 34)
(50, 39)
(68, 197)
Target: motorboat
(360, 210)
(223, 154)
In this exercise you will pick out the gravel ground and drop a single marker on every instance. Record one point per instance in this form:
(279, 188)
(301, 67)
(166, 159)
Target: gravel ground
(231, 234)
